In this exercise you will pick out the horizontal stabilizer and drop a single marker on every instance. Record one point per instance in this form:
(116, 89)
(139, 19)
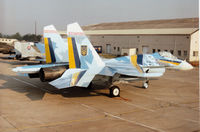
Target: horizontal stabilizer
(69, 78)
(35, 68)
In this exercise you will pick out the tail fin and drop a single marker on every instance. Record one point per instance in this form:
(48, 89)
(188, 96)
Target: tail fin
(81, 52)
(56, 49)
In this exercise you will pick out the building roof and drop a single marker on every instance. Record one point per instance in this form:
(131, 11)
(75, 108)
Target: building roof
(152, 24)
(183, 26)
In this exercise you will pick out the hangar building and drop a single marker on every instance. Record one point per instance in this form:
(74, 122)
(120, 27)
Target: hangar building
(178, 36)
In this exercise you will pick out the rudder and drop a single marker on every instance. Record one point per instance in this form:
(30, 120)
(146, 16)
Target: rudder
(81, 51)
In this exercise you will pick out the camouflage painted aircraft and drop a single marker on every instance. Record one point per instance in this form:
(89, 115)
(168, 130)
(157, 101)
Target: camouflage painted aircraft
(77, 64)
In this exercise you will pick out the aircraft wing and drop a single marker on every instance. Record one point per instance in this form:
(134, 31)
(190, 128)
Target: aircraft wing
(69, 78)
(129, 70)
(34, 68)
(136, 65)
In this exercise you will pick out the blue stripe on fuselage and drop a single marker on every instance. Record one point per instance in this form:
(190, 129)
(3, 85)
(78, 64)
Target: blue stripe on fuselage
(76, 56)
(171, 60)
(140, 59)
(53, 59)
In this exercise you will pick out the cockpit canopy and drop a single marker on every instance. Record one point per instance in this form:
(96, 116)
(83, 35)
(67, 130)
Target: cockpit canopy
(167, 55)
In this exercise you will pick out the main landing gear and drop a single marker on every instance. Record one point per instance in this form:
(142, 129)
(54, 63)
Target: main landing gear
(114, 91)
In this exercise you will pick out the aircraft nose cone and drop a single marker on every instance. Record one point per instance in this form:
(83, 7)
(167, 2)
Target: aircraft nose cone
(186, 66)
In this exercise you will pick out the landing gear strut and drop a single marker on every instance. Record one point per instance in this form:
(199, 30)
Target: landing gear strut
(146, 84)
(114, 91)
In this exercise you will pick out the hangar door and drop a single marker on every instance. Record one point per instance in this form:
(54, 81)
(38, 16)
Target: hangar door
(145, 49)
(108, 48)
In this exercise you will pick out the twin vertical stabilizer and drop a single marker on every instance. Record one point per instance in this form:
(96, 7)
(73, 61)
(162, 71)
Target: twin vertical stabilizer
(56, 50)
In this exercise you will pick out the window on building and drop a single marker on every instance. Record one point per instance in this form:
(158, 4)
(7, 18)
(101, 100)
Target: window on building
(195, 53)
(118, 48)
(114, 48)
(185, 52)
(172, 52)
(179, 52)
(158, 50)
(125, 54)
(108, 48)
(154, 50)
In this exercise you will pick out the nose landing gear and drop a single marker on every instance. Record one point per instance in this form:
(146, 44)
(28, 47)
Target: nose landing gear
(146, 84)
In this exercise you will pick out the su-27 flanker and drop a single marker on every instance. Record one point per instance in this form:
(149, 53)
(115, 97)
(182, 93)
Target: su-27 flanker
(76, 63)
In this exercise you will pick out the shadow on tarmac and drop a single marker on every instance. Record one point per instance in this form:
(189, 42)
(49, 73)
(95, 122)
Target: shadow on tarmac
(35, 90)
(20, 62)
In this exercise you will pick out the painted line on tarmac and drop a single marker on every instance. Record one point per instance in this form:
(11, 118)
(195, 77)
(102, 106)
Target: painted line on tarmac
(141, 107)
(120, 118)
(128, 103)
(30, 84)
(25, 82)
(192, 120)
(14, 127)
(134, 122)
(158, 99)
(55, 123)
(167, 102)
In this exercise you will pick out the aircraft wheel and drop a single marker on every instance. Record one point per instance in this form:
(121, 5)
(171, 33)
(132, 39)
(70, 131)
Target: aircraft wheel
(146, 84)
(18, 57)
(114, 91)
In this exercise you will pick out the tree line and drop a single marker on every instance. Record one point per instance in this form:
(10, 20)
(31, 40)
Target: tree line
(26, 37)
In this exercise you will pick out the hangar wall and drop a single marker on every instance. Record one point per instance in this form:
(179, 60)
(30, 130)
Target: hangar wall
(178, 45)
(194, 47)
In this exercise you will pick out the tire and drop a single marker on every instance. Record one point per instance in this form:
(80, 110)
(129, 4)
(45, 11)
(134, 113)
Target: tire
(114, 91)
(146, 84)
(18, 57)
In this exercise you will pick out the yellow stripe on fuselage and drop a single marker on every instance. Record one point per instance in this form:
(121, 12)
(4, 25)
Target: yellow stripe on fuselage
(174, 63)
(134, 62)
(74, 79)
(47, 51)
(71, 54)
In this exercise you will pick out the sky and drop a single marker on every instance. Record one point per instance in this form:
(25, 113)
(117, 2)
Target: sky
(20, 15)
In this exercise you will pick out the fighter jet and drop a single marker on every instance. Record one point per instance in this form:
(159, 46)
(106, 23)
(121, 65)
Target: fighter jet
(77, 64)
(26, 50)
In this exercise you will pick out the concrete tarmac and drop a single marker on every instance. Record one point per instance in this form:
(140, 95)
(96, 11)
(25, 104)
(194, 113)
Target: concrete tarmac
(170, 104)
